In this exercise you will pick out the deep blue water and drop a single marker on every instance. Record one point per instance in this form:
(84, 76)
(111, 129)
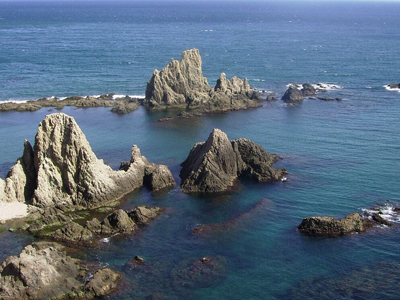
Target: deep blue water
(341, 156)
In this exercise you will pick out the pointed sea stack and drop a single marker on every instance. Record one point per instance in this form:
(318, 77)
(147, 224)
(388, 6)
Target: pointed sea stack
(63, 170)
(214, 165)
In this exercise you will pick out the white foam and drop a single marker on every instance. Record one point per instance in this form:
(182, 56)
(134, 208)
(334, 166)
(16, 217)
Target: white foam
(105, 240)
(386, 211)
(14, 101)
(318, 86)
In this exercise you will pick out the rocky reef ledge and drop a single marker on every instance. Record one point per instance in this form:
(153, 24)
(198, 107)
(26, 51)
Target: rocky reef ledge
(62, 170)
(297, 92)
(181, 84)
(119, 104)
(213, 166)
(44, 271)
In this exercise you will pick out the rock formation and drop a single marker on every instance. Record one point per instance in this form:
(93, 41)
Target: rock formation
(214, 165)
(394, 86)
(63, 170)
(293, 95)
(296, 92)
(329, 226)
(182, 84)
(354, 222)
(44, 271)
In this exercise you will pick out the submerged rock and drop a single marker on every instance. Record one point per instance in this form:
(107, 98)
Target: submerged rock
(63, 170)
(214, 165)
(201, 273)
(182, 84)
(44, 271)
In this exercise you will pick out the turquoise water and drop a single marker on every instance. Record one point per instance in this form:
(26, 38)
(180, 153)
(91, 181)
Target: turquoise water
(341, 156)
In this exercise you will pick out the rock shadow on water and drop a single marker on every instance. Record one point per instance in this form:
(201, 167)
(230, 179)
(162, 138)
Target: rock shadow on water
(377, 281)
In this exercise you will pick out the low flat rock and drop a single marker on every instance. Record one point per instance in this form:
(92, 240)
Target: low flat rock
(329, 226)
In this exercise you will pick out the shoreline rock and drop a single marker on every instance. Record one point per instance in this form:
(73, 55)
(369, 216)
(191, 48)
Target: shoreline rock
(43, 270)
(214, 165)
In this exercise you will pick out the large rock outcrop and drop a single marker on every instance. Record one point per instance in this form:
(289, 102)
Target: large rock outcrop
(182, 84)
(44, 271)
(63, 170)
(214, 165)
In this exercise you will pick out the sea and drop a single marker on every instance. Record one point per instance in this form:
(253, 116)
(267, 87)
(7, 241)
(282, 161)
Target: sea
(342, 156)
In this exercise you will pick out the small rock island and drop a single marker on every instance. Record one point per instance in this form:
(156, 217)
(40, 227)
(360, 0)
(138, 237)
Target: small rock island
(181, 84)
(213, 166)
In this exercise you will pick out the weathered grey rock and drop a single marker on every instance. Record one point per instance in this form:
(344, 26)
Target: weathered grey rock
(143, 215)
(118, 221)
(255, 161)
(308, 90)
(20, 181)
(44, 271)
(329, 226)
(292, 95)
(103, 282)
(125, 107)
(41, 271)
(179, 82)
(213, 166)
(71, 232)
(62, 170)
(158, 177)
(182, 84)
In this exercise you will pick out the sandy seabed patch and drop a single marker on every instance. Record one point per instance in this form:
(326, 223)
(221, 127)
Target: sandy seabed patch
(12, 210)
